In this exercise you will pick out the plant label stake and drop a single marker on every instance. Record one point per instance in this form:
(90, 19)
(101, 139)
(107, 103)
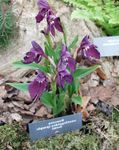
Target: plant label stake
(107, 46)
(51, 127)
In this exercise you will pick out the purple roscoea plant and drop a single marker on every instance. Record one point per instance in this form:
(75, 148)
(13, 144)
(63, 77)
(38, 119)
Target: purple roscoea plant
(62, 77)
(43, 9)
(88, 51)
(35, 54)
(53, 22)
(58, 74)
(38, 85)
(66, 60)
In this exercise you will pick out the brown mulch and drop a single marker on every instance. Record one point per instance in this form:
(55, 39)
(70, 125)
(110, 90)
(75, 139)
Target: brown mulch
(17, 105)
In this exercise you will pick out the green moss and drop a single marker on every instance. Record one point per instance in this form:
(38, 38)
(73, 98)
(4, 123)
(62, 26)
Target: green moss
(91, 137)
(12, 135)
(115, 116)
(69, 141)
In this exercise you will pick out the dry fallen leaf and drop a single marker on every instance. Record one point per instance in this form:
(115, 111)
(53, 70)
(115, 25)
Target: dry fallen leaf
(86, 100)
(82, 108)
(34, 106)
(101, 74)
(18, 104)
(115, 98)
(101, 93)
(24, 112)
(91, 108)
(24, 96)
(42, 112)
(2, 91)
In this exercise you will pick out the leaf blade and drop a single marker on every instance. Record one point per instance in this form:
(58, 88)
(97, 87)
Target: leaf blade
(20, 86)
(34, 66)
(73, 43)
(77, 100)
(82, 72)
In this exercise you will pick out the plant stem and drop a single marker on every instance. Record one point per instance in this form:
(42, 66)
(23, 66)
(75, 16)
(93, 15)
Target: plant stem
(64, 34)
(48, 38)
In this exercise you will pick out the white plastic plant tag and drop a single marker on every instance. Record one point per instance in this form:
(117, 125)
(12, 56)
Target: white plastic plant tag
(107, 46)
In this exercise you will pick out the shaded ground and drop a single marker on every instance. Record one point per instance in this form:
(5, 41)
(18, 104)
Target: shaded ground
(100, 133)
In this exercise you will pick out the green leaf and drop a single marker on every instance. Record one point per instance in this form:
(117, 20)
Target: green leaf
(60, 106)
(49, 51)
(77, 100)
(47, 99)
(76, 85)
(57, 53)
(82, 72)
(74, 42)
(34, 66)
(20, 86)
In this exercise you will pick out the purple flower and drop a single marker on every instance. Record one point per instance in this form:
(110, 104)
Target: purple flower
(43, 9)
(53, 22)
(66, 60)
(38, 86)
(43, 4)
(62, 77)
(88, 50)
(35, 54)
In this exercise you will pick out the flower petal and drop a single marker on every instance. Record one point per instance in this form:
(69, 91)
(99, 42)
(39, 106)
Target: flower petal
(85, 41)
(71, 64)
(38, 86)
(38, 49)
(92, 53)
(58, 25)
(62, 77)
(52, 29)
(29, 58)
(88, 50)
(41, 15)
(35, 89)
(43, 4)
(68, 78)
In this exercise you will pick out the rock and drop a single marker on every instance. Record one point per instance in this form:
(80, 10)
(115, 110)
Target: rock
(94, 80)
(107, 66)
(109, 82)
(116, 68)
(16, 117)
(28, 31)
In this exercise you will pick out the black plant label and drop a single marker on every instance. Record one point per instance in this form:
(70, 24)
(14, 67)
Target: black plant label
(51, 127)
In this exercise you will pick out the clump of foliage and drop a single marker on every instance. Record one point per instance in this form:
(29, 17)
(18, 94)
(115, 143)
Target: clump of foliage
(56, 83)
(7, 22)
(116, 114)
(12, 136)
(104, 12)
(15, 137)
(70, 141)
